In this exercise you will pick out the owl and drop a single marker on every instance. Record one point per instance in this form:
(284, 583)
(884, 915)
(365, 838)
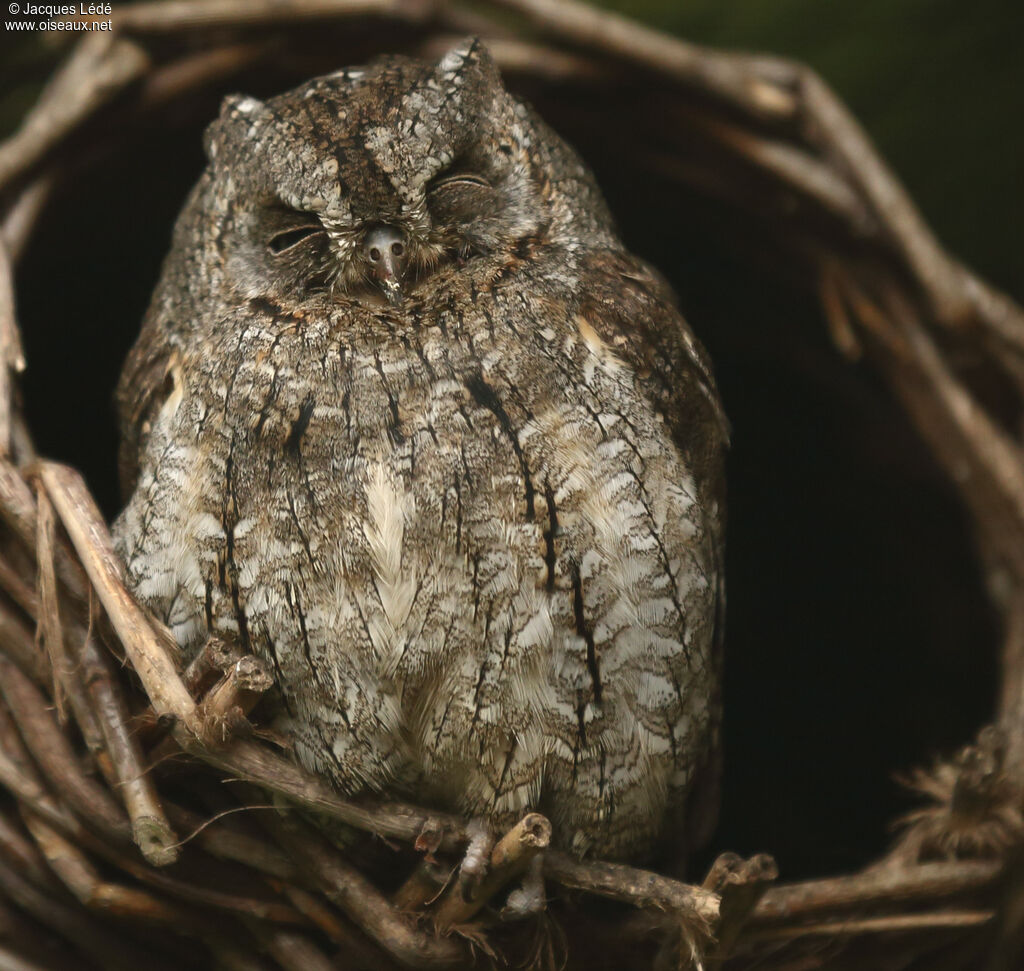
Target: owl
(408, 421)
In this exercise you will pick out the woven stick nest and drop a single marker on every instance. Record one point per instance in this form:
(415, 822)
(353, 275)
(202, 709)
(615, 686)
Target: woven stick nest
(143, 820)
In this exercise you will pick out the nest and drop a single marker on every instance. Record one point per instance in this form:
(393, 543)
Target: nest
(145, 821)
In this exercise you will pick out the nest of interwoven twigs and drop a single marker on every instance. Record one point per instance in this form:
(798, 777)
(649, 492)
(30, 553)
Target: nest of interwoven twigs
(122, 840)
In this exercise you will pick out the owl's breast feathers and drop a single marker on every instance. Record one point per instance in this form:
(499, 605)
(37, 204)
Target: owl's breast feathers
(483, 555)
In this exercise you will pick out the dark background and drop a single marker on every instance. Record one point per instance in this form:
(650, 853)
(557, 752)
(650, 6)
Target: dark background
(860, 641)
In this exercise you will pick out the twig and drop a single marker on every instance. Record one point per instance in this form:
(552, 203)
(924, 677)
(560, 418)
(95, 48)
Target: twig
(794, 169)
(740, 884)
(21, 217)
(18, 643)
(150, 828)
(727, 77)
(213, 660)
(319, 914)
(14, 585)
(229, 955)
(252, 762)
(295, 952)
(91, 540)
(18, 511)
(23, 450)
(898, 923)
(19, 773)
(83, 880)
(641, 888)
(52, 952)
(108, 950)
(17, 504)
(169, 82)
(12, 357)
(11, 351)
(100, 66)
(349, 940)
(1011, 699)
(964, 438)
(1000, 316)
(515, 56)
(27, 789)
(179, 15)
(223, 711)
(422, 886)
(21, 854)
(358, 898)
(49, 633)
(53, 754)
(832, 122)
(879, 886)
(230, 844)
(20, 778)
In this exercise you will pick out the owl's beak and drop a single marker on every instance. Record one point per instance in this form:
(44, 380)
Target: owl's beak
(385, 250)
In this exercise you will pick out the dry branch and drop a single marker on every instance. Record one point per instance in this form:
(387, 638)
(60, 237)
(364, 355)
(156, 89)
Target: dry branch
(52, 752)
(179, 15)
(213, 660)
(78, 874)
(740, 884)
(149, 655)
(890, 886)
(21, 219)
(12, 358)
(629, 885)
(356, 896)
(100, 67)
(150, 827)
(50, 634)
(224, 709)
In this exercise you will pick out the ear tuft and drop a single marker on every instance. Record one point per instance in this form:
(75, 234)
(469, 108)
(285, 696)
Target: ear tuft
(237, 114)
(468, 53)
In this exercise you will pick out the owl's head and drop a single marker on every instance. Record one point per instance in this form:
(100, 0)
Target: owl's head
(366, 183)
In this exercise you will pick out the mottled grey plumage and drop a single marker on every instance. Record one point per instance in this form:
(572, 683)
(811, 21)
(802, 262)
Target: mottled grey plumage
(406, 419)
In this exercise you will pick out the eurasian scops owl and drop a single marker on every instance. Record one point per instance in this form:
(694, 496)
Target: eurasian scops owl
(407, 420)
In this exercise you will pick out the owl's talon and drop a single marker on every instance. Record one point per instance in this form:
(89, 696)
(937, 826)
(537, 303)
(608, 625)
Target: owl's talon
(476, 859)
(512, 855)
(529, 898)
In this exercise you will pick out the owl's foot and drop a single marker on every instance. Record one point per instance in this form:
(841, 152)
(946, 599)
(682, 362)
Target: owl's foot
(485, 872)
(528, 899)
(476, 860)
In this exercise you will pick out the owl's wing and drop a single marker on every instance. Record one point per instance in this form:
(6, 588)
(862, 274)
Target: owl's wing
(632, 309)
(143, 385)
